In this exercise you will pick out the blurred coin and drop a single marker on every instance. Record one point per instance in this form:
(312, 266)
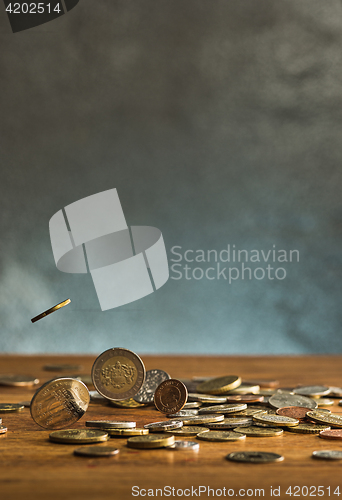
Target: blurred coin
(249, 412)
(86, 379)
(3, 429)
(62, 367)
(8, 407)
(328, 454)
(335, 392)
(110, 424)
(151, 441)
(27, 404)
(167, 425)
(244, 398)
(219, 385)
(246, 389)
(312, 390)
(51, 310)
(267, 392)
(277, 420)
(229, 423)
(192, 404)
(118, 374)
(308, 428)
(226, 408)
(188, 430)
(170, 396)
(153, 379)
(221, 436)
(281, 399)
(184, 446)
(135, 431)
(324, 402)
(255, 457)
(255, 431)
(183, 413)
(325, 418)
(200, 419)
(18, 380)
(96, 451)
(95, 397)
(298, 412)
(59, 403)
(78, 436)
(340, 403)
(126, 403)
(262, 383)
(331, 434)
(206, 398)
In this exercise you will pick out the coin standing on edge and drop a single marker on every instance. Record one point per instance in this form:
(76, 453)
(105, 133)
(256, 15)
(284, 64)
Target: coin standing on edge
(170, 396)
(51, 310)
(118, 374)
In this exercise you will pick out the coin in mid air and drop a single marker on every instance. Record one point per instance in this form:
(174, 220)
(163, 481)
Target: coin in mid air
(59, 403)
(184, 446)
(96, 451)
(9, 407)
(281, 399)
(110, 424)
(167, 425)
(51, 310)
(18, 380)
(151, 441)
(118, 374)
(328, 454)
(331, 434)
(78, 436)
(221, 436)
(152, 380)
(254, 457)
(170, 396)
(219, 385)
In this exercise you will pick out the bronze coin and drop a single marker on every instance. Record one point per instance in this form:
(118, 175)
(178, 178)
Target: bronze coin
(244, 398)
(298, 412)
(170, 396)
(331, 434)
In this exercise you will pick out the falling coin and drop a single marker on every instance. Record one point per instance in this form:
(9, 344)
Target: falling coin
(255, 457)
(151, 441)
(96, 451)
(170, 396)
(78, 436)
(51, 310)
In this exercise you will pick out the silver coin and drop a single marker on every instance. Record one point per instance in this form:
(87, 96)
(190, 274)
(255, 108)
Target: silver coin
(255, 457)
(206, 398)
(227, 408)
(183, 413)
(192, 404)
(95, 397)
(153, 379)
(328, 454)
(312, 390)
(335, 392)
(3, 429)
(185, 446)
(282, 399)
(110, 424)
(227, 424)
(166, 425)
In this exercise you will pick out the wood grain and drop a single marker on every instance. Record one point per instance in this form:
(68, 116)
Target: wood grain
(32, 467)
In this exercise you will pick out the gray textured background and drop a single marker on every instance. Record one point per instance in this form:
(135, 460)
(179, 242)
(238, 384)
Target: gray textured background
(218, 122)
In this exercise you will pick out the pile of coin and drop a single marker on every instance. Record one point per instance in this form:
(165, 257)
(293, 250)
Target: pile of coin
(216, 409)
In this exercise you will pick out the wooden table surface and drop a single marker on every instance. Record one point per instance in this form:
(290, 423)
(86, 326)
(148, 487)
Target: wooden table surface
(33, 467)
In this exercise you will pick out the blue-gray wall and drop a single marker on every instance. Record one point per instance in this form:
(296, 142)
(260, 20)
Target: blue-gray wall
(219, 123)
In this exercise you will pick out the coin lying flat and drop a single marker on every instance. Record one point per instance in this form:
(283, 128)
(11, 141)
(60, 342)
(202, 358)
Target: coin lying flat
(246, 389)
(126, 403)
(221, 436)
(78, 436)
(184, 446)
(135, 431)
(96, 451)
(59, 403)
(206, 398)
(9, 407)
(62, 367)
(325, 418)
(27, 404)
(183, 413)
(312, 390)
(18, 380)
(118, 374)
(191, 404)
(324, 402)
(308, 428)
(281, 399)
(153, 379)
(298, 412)
(170, 396)
(110, 424)
(3, 429)
(200, 419)
(256, 431)
(263, 383)
(151, 441)
(244, 398)
(335, 392)
(226, 408)
(331, 434)
(277, 420)
(167, 425)
(51, 310)
(188, 430)
(219, 385)
(229, 423)
(255, 457)
(328, 454)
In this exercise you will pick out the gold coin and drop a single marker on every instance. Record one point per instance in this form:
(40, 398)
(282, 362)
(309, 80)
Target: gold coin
(308, 428)
(118, 374)
(151, 441)
(170, 396)
(332, 419)
(190, 430)
(221, 436)
(192, 404)
(135, 431)
(219, 385)
(8, 407)
(62, 367)
(255, 431)
(205, 398)
(127, 403)
(96, 451)
(166, 425)
(110, 424)
(59, 403)
(280, 420)
(18, 380)
(228, 408)
(200, 419)
(245, 389)
(78, 436)
(49, 311)
(324, 402)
